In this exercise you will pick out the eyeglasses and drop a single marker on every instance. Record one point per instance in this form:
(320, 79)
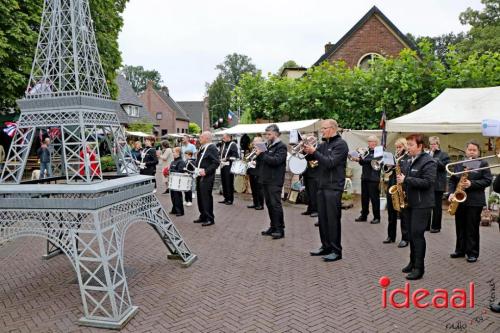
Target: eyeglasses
(325, 128)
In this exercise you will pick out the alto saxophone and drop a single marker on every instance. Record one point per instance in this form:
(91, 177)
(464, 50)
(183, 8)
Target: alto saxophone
(398, 196)
(459, 195)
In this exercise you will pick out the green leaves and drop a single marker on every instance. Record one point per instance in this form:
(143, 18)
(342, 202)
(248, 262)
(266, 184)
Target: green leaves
(355, 97)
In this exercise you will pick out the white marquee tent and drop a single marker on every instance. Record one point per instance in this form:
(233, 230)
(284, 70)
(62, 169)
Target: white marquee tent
(305, 126)
(455, 110)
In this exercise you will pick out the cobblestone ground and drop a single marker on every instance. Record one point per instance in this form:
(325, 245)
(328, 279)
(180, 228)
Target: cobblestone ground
(244, 282)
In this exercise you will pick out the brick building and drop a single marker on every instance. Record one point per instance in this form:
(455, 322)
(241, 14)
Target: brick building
(170, 116)
(373, 35)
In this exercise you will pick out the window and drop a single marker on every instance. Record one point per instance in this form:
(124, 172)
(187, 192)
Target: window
(164, 132)
(364, 61)
(178, 131)
(132, 110)
(159, 116)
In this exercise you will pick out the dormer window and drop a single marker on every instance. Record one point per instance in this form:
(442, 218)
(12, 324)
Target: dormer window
(364, 61)
(131, 110)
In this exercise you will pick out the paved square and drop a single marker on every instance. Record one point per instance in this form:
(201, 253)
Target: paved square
(244, 282)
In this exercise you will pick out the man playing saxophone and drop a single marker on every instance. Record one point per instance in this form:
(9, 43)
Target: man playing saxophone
(402, 159)
(468, 212)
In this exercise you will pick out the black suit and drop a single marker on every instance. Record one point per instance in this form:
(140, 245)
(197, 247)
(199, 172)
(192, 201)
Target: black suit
(149, 158)
(420, 176)
(177, 166)
(255, 185)
(392, 213)
(441, 159)
(204, 185)
(229, 152)
(272, 177)
(370, 190)
(468, 214)
(332, 159)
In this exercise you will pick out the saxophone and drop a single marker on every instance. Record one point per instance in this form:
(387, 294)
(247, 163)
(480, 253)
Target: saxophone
(459, 195)
(398, 196)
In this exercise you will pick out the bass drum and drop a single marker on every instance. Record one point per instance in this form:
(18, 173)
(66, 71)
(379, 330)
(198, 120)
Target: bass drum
(297, 164)
(240, 183)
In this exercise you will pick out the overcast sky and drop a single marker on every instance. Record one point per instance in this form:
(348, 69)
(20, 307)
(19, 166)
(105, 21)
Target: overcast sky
(185, 40)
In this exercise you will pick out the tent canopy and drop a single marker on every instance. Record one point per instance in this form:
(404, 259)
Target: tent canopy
(453, 111)
(139, 134)
(311, 125)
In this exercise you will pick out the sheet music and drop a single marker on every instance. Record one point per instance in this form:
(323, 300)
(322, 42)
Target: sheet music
(261, 146)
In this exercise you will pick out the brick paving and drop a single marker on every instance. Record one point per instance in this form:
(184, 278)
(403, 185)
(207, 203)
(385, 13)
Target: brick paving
(244, 282)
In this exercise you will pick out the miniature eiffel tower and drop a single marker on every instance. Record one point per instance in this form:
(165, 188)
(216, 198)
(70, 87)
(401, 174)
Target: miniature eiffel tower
(81, 212)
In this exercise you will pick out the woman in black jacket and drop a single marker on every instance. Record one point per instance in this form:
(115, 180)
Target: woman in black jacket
(418, 178)
(177, 166)
(149, 160)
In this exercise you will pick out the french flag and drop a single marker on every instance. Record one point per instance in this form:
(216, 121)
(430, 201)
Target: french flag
(10, 128)
(230, 115)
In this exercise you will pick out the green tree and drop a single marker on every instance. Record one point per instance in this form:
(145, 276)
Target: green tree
(143, 126)
(193, 128)
(219, 99)
(19, 25)
(484, 34)
(234, 66)
(139, 77)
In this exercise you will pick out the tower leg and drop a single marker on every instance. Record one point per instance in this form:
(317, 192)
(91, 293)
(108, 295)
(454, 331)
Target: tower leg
(101, 276)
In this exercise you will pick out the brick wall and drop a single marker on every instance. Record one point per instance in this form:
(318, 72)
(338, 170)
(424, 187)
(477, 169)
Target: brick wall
(373, 36)
(155, 104)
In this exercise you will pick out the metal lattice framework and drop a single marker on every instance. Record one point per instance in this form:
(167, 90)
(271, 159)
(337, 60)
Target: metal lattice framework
(83, 214)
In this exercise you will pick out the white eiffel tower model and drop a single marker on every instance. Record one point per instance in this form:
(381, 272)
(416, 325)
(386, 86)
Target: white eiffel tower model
(81, 212)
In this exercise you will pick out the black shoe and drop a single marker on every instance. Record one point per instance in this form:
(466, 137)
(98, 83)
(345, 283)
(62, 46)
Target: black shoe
(252, 206)
(278, 234)
(332, 257)
(435, 231)
(259, 208)
(471, 259)
(179, 214)
(408, 268)
(495, 307)
(267, 232)
(375, 221)
(403, 243)
(166, 192)
(416, 274)
(316, 224)
(456, 255)
(199, 221)
(228, 203)
(314, 214)
(223, 201)
(208, 223)
(360, 218)
(305, 213)
(172, 212)
(388, 240)
(320, 252)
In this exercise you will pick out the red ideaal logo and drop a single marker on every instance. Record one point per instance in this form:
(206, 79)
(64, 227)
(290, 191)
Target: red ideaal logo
(439, 299)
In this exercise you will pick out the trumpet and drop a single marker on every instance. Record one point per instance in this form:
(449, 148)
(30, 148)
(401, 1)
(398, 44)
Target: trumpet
(250, 157)
(299, 148)
(362, 153)
(376, 164)
(452, 173)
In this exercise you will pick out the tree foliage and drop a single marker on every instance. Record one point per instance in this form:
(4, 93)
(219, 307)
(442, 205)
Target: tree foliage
(357, 97)
(144, 126)
(234, 66)
(19, 25)
(193, 128)
(139, 77)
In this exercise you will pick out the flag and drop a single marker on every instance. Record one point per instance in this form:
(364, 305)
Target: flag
(10, 128)
(230, 115)
(383, 120)
(54, 132)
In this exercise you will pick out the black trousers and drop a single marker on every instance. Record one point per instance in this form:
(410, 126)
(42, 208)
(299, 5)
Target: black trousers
(149, 172)
(272, 196)
(329, 214)
(370, 192)
(177, 206)
(437, 212)
(393, 221)
(227, 179)
(257, 192)
(311, 185)
(417, 222)
(467, 221)
(188, 196)
(204, 187)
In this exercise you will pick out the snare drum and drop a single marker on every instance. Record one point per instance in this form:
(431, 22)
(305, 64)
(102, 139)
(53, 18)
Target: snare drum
(180, 182)
(297, 164)
(240, 183)
(239, 167)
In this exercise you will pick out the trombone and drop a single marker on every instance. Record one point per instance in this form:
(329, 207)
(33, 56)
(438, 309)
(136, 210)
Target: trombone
(451, 173)
(299, 148)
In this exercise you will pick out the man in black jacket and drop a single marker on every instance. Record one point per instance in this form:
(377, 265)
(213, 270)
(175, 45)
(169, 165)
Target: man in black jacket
(441, 158)
(496, 188)
(310, 178)
(468, 214)
(272, 177)
(331, 155)
(370, 184)
(418, 179)
(255, 185)
(229, 153)
(149, 160)
(207, 162)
